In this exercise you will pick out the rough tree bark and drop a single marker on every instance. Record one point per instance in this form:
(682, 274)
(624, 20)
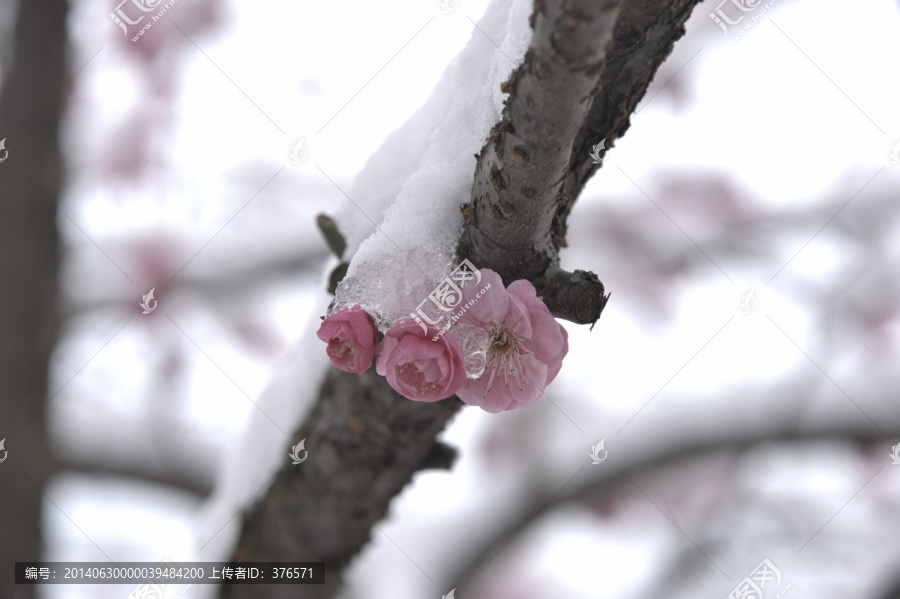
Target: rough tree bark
(588, 66)
(520, 177)
(369, 441)
(29, 180)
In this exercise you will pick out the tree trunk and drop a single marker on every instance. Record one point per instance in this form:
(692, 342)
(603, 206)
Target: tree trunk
(29, 247)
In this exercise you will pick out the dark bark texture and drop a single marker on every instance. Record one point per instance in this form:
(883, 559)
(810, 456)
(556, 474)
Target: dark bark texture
(645, 34)
(589, 64)
(29, 189)
(520, 177)
(588, 67)
(365, 443)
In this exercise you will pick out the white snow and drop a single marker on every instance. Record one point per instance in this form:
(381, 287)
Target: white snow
(425, 171)
(431, 156)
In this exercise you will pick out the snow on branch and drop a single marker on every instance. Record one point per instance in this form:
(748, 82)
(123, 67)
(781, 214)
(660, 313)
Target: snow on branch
(369, 439)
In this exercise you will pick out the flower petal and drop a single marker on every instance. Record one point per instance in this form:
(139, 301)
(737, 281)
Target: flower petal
(493, 304)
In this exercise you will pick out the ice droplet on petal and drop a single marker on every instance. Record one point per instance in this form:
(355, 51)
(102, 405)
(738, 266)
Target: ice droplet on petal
(474, 343)
(475, 364)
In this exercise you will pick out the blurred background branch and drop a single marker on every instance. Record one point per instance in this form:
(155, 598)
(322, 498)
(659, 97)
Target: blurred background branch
(686, 449)
(30, 178)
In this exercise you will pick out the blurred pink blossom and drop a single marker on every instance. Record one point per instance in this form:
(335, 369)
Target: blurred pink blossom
(351, 337)
(526, 348)
(417, 367)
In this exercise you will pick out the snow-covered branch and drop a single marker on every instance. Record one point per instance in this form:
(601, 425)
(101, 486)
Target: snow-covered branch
(369, 439)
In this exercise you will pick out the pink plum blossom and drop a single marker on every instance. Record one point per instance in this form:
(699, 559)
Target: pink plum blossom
(418, 367)
(351, 337)
(526, 348)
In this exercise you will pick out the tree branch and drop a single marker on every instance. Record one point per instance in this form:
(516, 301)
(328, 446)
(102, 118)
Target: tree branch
(606, 481)
(365, 442)
(576, 296)
(520, 176)
(324, 509)
(645, 34)
(590, 63)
